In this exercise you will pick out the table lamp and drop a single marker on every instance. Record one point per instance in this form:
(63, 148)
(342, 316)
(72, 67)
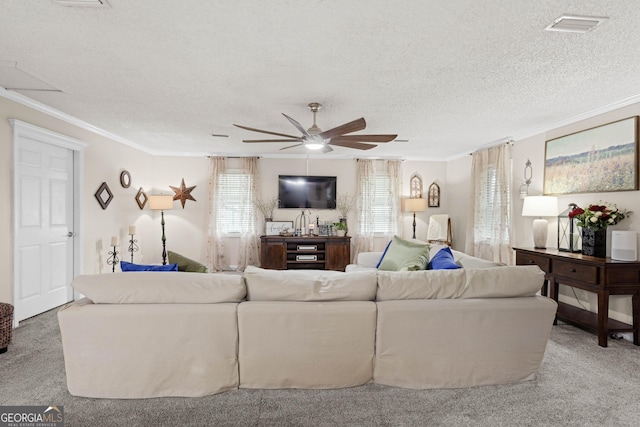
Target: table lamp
(540, 206)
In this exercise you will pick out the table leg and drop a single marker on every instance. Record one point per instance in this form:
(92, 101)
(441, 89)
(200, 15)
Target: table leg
(545, 288)
(553, 294)
(635, 313)
(603, 318)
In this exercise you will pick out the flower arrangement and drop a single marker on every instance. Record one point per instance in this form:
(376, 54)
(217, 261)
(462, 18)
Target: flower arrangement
(266, 207)
(344, 204)
(598, 216)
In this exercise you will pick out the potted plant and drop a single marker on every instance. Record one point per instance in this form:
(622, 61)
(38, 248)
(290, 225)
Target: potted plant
(594, 222)
(341, 228)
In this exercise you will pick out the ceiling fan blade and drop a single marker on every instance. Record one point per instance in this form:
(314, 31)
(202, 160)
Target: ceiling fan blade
(327, 149)
(291, 146)
(266, 131)
(270, 140)
(353, 144)
(297, 125)
(365, 138)
(353, 126)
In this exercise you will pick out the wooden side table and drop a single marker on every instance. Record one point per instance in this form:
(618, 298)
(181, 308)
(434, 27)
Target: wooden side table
(603, 276)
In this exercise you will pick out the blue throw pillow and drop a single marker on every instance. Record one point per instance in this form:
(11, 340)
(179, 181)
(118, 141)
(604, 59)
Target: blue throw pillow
(128, 266)
(383, 254)
(443, 260)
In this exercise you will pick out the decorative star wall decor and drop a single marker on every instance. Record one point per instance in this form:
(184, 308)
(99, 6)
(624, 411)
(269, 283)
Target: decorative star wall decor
(183, 193)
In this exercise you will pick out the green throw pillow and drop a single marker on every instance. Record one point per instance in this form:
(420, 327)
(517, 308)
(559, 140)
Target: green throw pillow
(404, 255)
(187, 264)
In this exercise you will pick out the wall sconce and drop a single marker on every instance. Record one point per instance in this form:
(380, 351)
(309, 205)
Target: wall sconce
(524, 188)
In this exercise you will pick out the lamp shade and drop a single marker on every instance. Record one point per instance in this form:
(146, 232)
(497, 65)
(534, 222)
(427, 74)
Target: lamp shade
(540, 206)
(415, 205)
(160, 202)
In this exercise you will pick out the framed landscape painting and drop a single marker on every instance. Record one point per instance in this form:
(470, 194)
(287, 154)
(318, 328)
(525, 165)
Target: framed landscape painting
(604, 158)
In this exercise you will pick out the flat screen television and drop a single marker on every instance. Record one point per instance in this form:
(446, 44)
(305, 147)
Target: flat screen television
(306, 192)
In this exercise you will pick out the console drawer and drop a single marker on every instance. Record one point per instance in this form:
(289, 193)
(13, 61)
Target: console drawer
(533, 259)
(570, 270)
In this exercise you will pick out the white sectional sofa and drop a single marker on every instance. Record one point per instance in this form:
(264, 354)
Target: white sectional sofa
(153, 334)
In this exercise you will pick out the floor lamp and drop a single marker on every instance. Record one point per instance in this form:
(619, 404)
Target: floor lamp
(161, 203)
(539, 206)
(415, 205)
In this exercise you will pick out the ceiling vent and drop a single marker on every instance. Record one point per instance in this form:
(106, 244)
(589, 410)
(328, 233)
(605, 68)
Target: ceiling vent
(83, 3)
(576, 24)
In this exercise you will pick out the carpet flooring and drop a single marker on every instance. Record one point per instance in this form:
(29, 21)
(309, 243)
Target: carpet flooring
(579, 384)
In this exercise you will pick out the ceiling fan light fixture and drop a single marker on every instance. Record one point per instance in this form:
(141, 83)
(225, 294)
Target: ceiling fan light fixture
(315, 142)
(314, 146)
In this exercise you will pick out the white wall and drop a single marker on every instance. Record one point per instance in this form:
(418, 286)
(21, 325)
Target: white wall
(185, 228)
(533, 148)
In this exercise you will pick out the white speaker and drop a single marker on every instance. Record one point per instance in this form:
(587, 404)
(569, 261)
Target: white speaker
(624, 245)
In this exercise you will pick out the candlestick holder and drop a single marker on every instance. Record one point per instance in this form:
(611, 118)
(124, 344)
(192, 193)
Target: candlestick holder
(133, 247)
(113, 259)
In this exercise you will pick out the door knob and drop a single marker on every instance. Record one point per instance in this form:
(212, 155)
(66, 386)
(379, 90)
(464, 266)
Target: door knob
(71, 234)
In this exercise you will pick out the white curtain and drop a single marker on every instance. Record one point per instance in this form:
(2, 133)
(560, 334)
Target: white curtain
(489, 217)
(394, 169)
(248, 252)
(363, 240)
(216, 240)
(368, 203)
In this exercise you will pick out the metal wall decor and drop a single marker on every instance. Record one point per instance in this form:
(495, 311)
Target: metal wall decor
(183, 193)
(104, 196)
(125, 179)
(433, 198)
(141, 198)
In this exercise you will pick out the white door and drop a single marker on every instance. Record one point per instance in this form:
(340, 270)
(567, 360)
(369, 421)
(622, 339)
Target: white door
(44, 235)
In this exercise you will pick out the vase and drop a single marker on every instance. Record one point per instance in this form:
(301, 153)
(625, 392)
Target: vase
(594, 242)
(346, 227)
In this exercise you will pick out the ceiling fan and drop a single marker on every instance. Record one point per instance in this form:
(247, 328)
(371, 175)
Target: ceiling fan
(315, 138)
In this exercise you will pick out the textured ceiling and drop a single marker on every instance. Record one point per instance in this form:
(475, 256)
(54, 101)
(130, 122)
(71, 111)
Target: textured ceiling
(448, 76)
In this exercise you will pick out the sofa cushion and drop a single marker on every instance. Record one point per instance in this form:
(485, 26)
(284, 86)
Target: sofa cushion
(152, 287)
(443, 260)
(309, 285)
(129, 266)
(187, 264)
(494, 282)
(404, 255)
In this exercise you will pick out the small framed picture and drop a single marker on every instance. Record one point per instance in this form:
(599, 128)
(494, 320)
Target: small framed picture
(273, 228)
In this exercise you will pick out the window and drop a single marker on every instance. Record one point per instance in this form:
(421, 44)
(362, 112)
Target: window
(484, 222)
(235, 211)
(380, 217)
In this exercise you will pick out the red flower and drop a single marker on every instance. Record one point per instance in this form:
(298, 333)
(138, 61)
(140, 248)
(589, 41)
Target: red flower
(576, 211)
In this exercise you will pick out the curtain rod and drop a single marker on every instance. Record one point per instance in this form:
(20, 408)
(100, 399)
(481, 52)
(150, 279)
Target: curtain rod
(235, 157)
(491, 145)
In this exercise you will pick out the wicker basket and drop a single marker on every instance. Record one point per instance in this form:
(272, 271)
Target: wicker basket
(6, 325)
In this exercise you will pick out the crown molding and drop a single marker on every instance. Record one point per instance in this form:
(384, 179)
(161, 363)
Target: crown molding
(26, 101)
(557, 124)
(38, 106)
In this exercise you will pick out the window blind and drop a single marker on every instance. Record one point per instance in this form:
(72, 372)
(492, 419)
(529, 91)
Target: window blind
(235, 203)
